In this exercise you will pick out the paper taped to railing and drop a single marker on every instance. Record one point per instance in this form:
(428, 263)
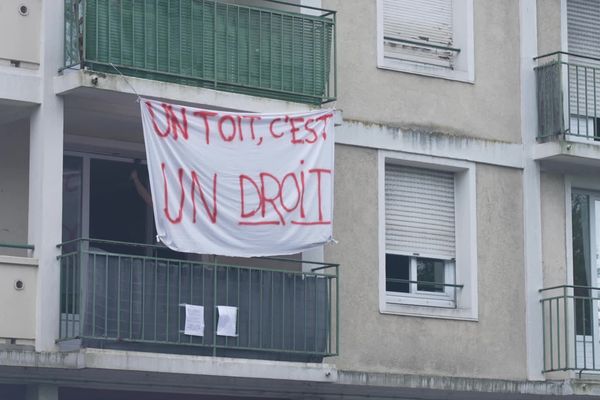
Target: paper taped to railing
(194, 320)
(239, 184)
(227, 321)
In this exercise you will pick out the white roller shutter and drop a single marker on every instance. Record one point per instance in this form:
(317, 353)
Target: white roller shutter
(419, 212)
(414, 30)
(583, 26)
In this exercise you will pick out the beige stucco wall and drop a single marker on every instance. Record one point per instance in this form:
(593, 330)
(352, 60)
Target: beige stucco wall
(14, 183)
(493, 347)
(548, 26)
(552, 188)
(489, 108)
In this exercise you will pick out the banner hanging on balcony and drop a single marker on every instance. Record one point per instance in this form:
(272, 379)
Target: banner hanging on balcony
(239, 184)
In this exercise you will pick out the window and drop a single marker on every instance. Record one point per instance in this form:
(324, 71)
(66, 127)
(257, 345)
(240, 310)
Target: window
(428, 236)
(583, 35)
(430, 37)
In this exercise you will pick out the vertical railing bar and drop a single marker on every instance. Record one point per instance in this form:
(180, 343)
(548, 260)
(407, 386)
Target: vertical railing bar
(316, 279)
(551, 336)
(227, 269)
(591, 322)
(155, 296)
(260, 309)
(118, 297)
(558, 342)
(237, 323)
(305, 324)
(192, 275)
(131, 309)
(70, 308)
(577, 103)
(203, 293)
(94, 297)
(272, 306)
(249, 307)
(106, 296)
(597, 130)
(544, 333)
(337, 307)
(329, 346)
(585, 71)
(62, 303)
(566, 325)
(143, 320)
(179, 300)
(283, 313)
(568, 116)
(575, 331)
(294, 305)
(168, 299)
(215, 310)
(584, 335)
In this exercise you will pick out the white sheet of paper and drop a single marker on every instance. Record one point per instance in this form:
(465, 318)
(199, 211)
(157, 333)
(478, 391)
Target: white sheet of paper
(194, 320)
(227, 321)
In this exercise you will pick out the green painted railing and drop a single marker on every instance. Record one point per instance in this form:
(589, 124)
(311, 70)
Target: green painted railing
(568, 95)
(263, 51)
(571, 338)
(133, 296)
(26, 248)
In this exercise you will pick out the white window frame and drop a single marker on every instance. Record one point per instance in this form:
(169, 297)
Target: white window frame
(464, 62)
(465, 264)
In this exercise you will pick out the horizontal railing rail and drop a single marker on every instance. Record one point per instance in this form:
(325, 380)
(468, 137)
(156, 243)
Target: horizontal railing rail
(568, 95)
(17, 249)
(270, 51)
(118, 292)
(570, 318)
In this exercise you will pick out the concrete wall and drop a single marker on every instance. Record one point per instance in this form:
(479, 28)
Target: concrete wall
(14, 178)
(548, 26)
(488, 109)
(493, 347)
(17, 306)
(554, 256)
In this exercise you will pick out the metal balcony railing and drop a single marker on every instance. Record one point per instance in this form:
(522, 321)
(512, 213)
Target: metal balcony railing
(131, 296)
(571, 334)
(568, 95)
(263, 51)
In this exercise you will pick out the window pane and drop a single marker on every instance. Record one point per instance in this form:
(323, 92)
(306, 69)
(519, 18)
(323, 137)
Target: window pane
(430, 270)
(397, 272)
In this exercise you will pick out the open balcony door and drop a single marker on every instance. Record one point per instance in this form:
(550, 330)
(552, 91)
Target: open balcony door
(586, 273)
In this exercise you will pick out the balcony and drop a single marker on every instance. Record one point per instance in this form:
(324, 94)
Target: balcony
(568, 102)
(271, 51)
(571, 328)
(130, 297)
(568, 95)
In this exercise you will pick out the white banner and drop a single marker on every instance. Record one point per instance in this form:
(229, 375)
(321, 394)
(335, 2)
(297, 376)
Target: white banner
(239, 184)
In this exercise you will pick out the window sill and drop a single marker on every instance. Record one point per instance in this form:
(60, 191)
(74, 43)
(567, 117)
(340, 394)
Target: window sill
(462, 314)
(426, 70)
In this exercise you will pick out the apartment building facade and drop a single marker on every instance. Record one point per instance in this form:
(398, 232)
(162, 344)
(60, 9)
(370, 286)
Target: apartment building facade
(466, 185)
